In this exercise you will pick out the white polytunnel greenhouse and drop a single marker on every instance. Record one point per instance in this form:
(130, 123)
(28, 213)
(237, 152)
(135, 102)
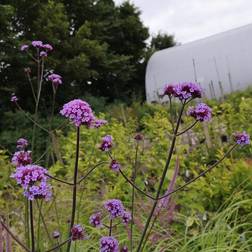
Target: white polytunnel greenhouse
(221, 63)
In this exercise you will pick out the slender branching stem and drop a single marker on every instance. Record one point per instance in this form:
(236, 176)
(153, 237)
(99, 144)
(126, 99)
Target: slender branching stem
(188, 128)
(139, 248)
(135, 186)
(59, 180)
(74, 185)
(110, 227)
(133, 197)
(32, 88)
(14, 237)
(201, 174)
(32, 228)
(59, 245)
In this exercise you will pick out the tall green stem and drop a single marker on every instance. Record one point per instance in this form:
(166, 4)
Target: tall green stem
(133, 199)
(32, 228)
(74, 185)
(139, 248)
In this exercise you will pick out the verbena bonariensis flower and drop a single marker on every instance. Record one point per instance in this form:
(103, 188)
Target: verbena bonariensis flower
(56, 79)
(114, 207)
(201, 112)
(169, 90)
(109, 244)
(33, 180)
(77, 232)
(95, 220)
(187, 90)
(56, 234)
(114, 165)
(242, 138)
(47, 47)
(37, 44)
(13, 98)
(99, 122)
(106, 144)
(43, 54)
(21, 158)
(79, 112)
(138, 137)
(126, 217)
(24, 48)
(22, 143)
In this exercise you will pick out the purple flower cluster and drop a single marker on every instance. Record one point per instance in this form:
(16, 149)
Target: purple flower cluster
(201, 112)
(95, 220)
(14, 98)
(126, 217)
(45, 48)
(109, 244)
(98, 123)
(138, 137)
(21, 158)
(79, 112)
(242, 138)
(183, 91)
(106, 144)
(33, 180)
(22, 143)
(77, 232)
(114, 165)
(56, 79)
(124, 249)
(114, 207)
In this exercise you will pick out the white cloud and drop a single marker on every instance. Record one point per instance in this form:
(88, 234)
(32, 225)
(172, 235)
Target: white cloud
(189, 20)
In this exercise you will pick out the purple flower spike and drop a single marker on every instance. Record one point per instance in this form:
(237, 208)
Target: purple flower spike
(109, 244)
(115, 166)
(79, 112)
(43, 54)
(14, 98)
(114, 207)
(47, 47)
(78, 232)
(201, 112)
(24, 48)
(22, 143)
(187, 90)
(126, 217)
(37, 44)
(242, 138)
(21, 158)
(169, 90)
(95, 220)
(106, 144)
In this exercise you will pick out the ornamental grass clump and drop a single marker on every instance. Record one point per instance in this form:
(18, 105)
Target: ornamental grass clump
(34, 179)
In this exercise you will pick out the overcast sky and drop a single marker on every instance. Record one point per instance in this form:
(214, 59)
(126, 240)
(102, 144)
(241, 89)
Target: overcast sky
(189, 20)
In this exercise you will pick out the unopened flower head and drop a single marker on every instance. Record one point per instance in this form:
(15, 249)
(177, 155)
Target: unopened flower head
(22, 143)
(114, 207)
(115, 166)
(242, 138)
(21, 158)
(126, 217)
(187, 90)
(95, 220)
(138, 137)
(37, 44)
(24, 48)
(77, 232)
(201, 112)
(124, 249)
(106, 144)
(109, 244)
(79, 112)
(56, 234)
(13, 98)
(169, 90)
(56, 79)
